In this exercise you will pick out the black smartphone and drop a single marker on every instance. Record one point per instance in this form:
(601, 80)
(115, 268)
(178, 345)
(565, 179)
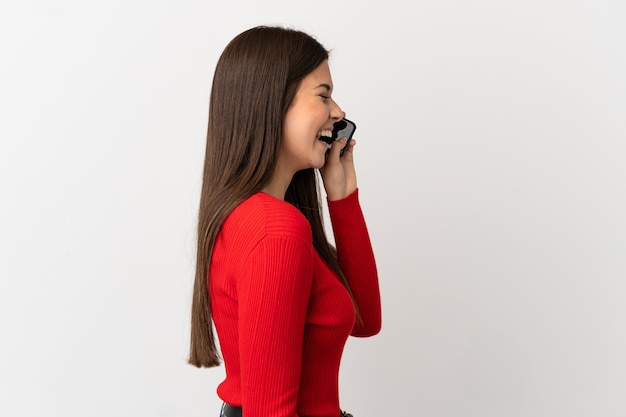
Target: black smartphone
(344, 128)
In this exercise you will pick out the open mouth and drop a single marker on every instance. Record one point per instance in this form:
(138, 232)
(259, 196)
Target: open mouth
(326, 136)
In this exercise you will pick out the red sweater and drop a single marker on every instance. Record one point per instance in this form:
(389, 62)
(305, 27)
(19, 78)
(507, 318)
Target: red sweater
(281, 314)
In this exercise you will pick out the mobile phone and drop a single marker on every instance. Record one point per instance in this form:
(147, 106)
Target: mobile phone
(344, 128)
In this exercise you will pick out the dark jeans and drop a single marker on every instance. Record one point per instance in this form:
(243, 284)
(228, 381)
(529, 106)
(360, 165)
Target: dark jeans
(230, 411)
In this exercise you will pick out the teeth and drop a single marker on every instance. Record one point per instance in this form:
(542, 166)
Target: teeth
(327, 133)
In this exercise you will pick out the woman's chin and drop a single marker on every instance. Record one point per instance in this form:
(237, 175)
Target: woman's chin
(317, 163)
(318, 159)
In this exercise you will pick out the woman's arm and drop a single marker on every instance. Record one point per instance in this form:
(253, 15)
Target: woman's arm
(355, 255)
(273, 292)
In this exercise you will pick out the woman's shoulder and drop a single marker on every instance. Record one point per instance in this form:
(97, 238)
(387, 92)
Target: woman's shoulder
(262, 215)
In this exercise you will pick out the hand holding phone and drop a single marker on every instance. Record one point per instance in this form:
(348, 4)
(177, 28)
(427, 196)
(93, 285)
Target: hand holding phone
(344, 128)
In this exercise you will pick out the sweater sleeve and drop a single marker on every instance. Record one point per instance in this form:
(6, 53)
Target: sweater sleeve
(273, 292)
(355, 255)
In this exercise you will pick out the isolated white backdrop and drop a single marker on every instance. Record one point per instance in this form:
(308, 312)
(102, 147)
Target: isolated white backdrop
(491, 149)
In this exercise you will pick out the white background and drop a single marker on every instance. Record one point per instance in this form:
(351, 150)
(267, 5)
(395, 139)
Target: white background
(491, 158)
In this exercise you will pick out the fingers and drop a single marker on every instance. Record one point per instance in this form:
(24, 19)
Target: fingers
(339, 148)
(335, 150)
(349, 149)
(338, 171)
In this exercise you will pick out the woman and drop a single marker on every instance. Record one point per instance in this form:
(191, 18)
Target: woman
(282, 299)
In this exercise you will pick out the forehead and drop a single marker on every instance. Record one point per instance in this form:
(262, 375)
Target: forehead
(320, 75)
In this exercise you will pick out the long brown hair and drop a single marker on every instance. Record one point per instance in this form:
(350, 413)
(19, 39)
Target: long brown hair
(255, 82)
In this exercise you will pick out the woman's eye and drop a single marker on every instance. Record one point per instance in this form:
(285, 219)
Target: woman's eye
(324, 97)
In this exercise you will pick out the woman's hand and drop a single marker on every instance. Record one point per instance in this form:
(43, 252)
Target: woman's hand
(338, 172)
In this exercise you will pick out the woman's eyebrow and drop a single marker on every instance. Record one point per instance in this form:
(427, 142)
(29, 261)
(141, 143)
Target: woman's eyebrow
(324, 85)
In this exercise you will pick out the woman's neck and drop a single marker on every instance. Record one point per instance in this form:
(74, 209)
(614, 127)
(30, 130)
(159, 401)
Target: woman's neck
(277, 187)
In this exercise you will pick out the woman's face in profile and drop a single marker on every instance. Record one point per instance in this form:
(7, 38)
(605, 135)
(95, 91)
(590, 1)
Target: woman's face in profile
(311, 115)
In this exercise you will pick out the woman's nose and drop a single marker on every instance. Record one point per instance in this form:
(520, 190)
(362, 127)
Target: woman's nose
(336, 113)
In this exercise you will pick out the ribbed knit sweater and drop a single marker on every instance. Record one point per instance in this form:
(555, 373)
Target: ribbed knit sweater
(282, 316)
